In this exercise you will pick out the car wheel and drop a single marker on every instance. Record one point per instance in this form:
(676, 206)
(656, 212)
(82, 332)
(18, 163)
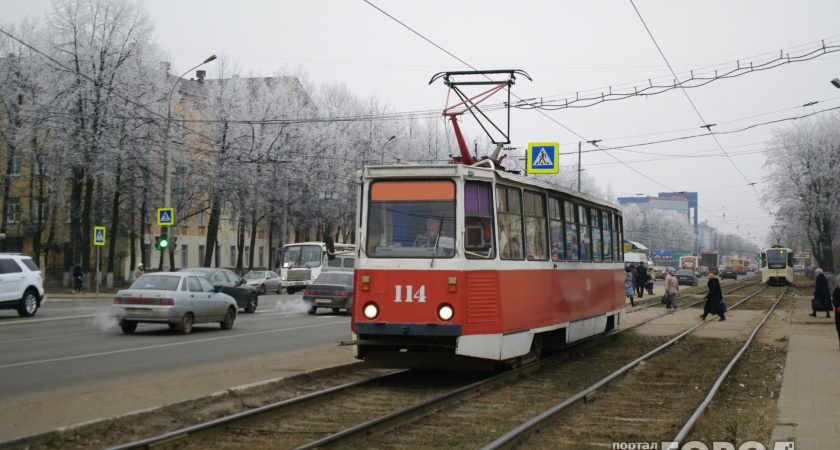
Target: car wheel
(227, 323)
(279, 288)
(128, 327)
(261, 290)
(252, 304)
(28, 304)
(186, 324)
(312, 310)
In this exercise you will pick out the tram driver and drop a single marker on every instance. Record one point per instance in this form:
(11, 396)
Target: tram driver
(430, 236)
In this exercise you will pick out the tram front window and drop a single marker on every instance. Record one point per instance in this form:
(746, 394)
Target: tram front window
(776, 259)
(411, 219)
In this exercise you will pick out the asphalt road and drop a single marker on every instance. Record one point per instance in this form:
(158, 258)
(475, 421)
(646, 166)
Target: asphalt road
(72, 363)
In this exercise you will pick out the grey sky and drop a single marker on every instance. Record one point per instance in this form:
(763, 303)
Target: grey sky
(566, 47)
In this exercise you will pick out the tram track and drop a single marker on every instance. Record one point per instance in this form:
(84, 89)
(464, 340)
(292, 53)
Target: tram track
(426, 402)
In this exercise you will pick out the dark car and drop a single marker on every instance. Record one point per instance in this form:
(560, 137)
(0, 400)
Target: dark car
(660, 272)
(729, 272)
(330, 290)
(686, 277)
(244, 294)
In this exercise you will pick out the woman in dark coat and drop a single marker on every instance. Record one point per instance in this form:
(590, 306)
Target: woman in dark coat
(822, 295)
(713, 299)
(641, 280)
(836, 302)
(78, 277)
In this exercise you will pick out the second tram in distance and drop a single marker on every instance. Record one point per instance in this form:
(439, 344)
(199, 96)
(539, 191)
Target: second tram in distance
(777, 266)
(462, 266)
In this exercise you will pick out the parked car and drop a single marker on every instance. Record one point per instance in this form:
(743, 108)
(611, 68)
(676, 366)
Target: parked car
(330, 290)
(244, 294)
(660, 272)
(263, 281)
(21, 284)
(178, 299)
(729, 272)
(686, 277)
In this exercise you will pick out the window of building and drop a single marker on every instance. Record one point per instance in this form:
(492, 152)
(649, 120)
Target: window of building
(185, 262)
(261, 255)
(202, 217)
(233, 256)
(13, 210)
(201, 254)
(15, 169)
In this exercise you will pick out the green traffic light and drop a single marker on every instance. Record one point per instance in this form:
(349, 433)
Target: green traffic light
(164, 243)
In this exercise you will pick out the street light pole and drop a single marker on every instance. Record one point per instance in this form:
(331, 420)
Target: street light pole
(167, 150)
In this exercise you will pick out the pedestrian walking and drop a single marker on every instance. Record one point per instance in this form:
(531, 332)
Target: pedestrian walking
(671, 289)
(629, 284)
(822, 295)
(140, 270)
(714, 299)
(835, 300)
(78, 278)
(641, 279)
(651, 278)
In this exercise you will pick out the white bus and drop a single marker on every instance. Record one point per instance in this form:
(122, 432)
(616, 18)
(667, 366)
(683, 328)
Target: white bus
(302, 262)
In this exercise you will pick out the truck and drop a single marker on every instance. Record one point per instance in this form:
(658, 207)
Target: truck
(710, 260)
(691, 263)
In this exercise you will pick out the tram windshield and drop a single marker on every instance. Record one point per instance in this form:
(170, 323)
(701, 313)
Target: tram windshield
(776, 258)
(411, 219)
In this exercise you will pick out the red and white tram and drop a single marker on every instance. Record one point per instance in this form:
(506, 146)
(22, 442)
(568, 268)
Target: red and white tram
(469, 266)
(515, 265)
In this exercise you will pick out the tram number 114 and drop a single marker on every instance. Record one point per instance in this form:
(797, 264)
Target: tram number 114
(419, 296)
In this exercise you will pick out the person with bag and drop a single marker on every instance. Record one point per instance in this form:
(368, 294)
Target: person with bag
(629, 284)
(672, 286)
(822, 295)
(714, 300)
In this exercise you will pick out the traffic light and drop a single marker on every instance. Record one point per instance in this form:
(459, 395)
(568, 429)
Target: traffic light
(162, 241)
(174, 243)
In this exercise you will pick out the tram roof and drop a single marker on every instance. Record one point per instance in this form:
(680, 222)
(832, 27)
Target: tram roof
(475, 173)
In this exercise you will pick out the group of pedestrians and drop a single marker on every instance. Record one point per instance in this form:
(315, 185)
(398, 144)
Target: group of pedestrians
(637, 280)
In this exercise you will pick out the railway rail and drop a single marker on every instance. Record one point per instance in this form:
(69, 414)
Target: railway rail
(372, 407)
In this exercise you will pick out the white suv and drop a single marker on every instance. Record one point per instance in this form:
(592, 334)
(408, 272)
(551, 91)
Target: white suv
(21, 284)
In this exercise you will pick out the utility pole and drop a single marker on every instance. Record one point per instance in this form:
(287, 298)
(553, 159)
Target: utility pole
(579, 144)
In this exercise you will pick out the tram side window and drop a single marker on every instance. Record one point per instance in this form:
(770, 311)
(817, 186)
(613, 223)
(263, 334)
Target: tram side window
(570, 216)
(509, 209)
(585, 242)
(555, 226)
(595, 220)
(478, 220)
(535, 227)
(619, 238)
(607, 222)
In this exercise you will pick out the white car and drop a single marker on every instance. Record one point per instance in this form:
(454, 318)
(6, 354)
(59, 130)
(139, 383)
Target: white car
(21, 284)
(178, 299)
(263, 281)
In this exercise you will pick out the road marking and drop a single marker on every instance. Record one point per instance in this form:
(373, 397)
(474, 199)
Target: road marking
(115, 352)
(20, 321)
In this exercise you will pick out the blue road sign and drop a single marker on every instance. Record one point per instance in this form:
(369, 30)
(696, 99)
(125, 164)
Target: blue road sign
(542, 157)
(98, 235)
(166, 216)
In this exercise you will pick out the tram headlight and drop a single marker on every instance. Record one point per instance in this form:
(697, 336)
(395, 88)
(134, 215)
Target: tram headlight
(370, 311)
(445, 312)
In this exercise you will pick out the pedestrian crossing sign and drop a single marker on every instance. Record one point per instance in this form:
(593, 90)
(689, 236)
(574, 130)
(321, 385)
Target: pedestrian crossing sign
(166, 216)
(542, 157)
(98, 235)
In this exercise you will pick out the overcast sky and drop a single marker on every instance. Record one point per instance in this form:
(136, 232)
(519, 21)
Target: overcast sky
(391, 48)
